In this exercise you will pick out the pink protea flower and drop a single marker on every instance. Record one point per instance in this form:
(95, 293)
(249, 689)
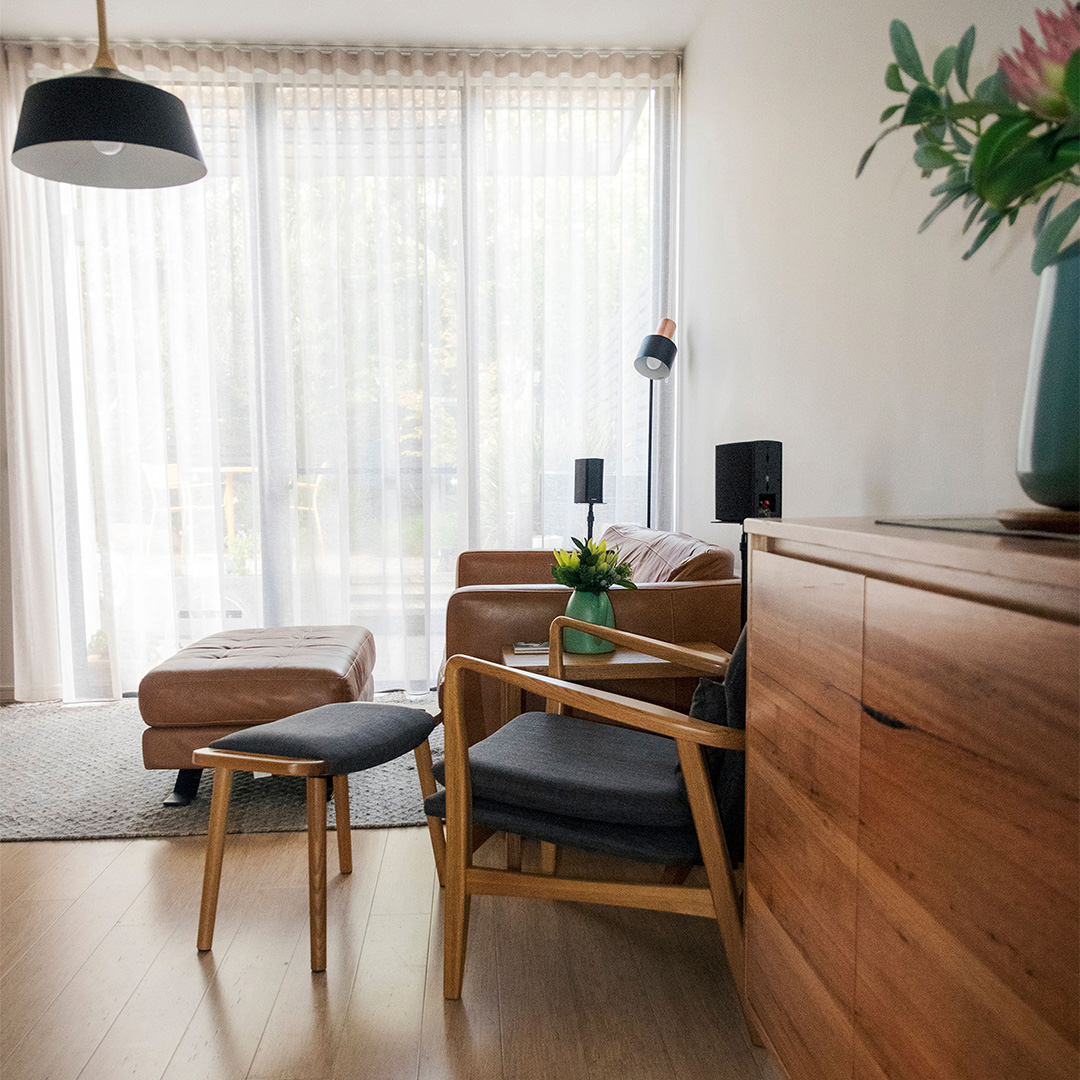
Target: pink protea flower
(1037, 76)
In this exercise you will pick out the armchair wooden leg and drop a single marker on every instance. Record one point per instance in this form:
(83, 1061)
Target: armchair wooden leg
(341, 819)
(675, 875)
(435, 826)
(513, 851)
(714, 854)
(549, 856)
(215, 849)
(316, 831)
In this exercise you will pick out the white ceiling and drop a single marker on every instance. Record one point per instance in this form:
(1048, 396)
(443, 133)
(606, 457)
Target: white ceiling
(647, 24)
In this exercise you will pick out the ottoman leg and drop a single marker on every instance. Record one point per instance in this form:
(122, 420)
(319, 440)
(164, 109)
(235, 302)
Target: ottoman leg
(316, 837)
(344, 829)
(185, 788)
(215, 848)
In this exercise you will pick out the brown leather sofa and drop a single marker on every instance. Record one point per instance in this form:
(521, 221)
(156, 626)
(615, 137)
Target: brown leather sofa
(686, 592)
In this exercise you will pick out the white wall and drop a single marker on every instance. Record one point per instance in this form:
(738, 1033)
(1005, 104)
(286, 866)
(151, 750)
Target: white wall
(812, 313)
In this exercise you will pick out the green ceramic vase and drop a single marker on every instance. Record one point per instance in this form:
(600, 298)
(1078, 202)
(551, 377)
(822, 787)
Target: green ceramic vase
(588, 607)
(1048, 457)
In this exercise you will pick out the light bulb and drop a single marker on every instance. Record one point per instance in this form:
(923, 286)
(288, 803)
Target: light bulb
(109, 149)
(652, 363)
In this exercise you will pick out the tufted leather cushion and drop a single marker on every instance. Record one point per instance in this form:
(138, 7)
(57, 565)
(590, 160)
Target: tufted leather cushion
(241, 677)
(665, 556)
(347, 736)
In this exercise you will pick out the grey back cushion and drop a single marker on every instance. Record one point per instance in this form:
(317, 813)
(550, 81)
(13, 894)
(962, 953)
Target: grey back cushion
(724, 702)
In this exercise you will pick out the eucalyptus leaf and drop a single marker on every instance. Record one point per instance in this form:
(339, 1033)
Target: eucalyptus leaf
(946, 201)
(959, 141)
(923, 105)
(1044, 213)
(963, 57)
(870, 149)
(989, 227)
(992, 90)
(1053, 235)
(903, 47)
(889, 112)
(933, 157)
(893, 79)
(943, 66)
(979, 204)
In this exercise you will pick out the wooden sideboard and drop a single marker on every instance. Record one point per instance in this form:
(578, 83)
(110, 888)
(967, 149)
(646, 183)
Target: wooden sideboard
(913, 802)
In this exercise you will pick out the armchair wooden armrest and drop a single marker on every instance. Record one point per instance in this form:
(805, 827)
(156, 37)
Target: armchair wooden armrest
(701, 662)
(637, 714)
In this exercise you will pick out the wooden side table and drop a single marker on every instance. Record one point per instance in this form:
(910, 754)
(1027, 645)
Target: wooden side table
(598, 667)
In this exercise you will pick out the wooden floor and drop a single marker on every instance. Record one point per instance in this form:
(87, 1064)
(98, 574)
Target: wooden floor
(102, 981)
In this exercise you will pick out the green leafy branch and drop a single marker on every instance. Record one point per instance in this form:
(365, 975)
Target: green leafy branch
(997, 155)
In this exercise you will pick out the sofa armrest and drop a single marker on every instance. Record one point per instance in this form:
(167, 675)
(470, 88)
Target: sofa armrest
(482, 619)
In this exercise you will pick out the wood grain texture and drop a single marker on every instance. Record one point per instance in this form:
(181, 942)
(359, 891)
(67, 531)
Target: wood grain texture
(252, 1007)
(803, 724)
(969, 902)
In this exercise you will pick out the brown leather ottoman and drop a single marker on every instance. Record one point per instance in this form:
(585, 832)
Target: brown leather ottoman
(240, 678)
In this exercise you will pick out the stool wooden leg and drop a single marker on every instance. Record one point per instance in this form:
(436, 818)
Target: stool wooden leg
(316, 818)
(435, 826)
(215, 848)
(341, 818)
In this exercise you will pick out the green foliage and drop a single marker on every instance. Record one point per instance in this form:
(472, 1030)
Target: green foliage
(1000, 155)
(592, 567)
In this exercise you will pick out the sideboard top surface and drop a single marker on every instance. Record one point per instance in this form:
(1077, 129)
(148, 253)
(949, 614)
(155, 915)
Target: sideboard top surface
(1054, 563)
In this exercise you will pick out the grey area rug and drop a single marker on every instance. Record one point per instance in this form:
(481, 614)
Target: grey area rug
(75, 772)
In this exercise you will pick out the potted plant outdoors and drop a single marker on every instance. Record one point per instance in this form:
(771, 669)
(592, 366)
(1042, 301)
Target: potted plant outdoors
(591, 569)
(1014, 141)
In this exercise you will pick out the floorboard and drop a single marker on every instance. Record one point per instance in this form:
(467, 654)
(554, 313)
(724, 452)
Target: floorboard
(102, 980)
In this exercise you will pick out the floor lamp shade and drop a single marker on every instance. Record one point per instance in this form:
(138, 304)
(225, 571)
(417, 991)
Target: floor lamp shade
(102, 128)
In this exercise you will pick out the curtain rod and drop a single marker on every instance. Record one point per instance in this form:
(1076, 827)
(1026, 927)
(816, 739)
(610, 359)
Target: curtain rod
(469, 50)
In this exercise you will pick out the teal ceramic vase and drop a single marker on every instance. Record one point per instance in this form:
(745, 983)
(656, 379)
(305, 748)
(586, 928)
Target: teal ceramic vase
(1048, 457)
(588, 607)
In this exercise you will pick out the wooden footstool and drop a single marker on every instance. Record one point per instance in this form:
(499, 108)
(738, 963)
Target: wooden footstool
(331, 741)
(230, 681)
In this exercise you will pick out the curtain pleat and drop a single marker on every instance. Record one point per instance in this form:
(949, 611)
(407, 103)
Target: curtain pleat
(406, 297)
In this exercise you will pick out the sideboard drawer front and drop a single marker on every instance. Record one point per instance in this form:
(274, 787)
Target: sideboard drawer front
(969, 900)
(803, 728)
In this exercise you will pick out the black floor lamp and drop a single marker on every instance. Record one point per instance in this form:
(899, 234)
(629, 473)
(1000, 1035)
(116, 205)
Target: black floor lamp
(654, 360)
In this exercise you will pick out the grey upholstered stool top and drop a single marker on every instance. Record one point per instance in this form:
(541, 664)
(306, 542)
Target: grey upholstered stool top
(348, 736)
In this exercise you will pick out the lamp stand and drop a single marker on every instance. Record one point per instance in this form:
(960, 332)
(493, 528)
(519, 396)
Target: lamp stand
(648, 464)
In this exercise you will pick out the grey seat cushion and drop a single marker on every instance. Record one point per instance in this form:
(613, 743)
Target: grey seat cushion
(348, 736)
(575, 768)
(645, 843)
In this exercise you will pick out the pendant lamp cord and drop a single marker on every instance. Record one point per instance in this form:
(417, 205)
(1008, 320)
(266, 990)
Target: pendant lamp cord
(104, 57)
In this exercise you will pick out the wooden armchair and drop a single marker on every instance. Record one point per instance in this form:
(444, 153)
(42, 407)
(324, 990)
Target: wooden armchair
(638, 787)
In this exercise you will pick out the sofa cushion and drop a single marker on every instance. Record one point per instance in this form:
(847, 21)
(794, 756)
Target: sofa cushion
(666, 556)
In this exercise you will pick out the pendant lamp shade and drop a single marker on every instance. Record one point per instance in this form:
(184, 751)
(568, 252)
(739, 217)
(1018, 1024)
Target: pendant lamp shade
(102, 128)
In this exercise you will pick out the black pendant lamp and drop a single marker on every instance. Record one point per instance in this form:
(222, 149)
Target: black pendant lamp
(103, 128)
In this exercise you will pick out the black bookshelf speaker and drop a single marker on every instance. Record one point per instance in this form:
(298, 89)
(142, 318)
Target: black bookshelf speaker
(589, 480)
(748, 480)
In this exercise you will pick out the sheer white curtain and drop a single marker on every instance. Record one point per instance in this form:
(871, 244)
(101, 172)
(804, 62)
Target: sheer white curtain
(406, 297)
